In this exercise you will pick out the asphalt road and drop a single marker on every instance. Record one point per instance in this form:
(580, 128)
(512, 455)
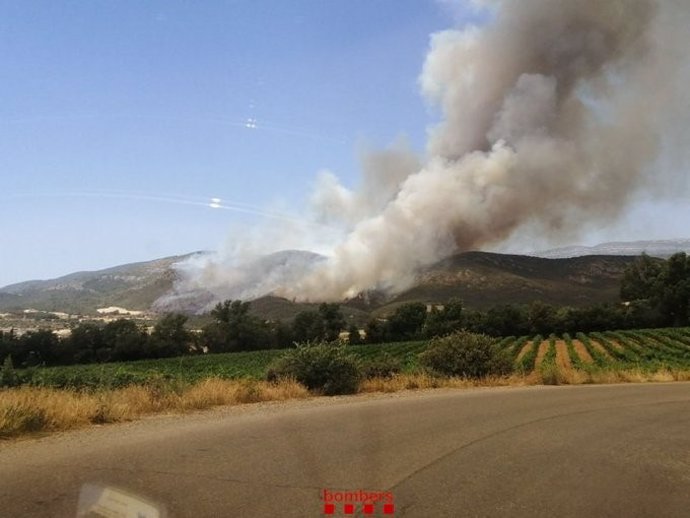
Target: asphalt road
(618, 450)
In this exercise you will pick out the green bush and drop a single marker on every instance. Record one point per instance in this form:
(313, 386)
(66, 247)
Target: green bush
(8, 376)
(323, 367)
(384, 366)
(465, 354)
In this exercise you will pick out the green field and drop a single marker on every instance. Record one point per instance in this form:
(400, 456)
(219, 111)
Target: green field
(647, 350)
(193, 368)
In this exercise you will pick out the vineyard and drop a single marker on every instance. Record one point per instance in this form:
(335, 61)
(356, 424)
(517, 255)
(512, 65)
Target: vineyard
(639, 350)
(646, 350)
(250, 364)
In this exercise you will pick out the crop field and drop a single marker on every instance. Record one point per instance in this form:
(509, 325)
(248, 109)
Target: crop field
(251, 364)
(646, 350)
(640, 350)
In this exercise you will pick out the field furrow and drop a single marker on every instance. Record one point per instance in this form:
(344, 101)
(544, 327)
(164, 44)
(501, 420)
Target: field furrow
(541, 353)
(562, 356)
(582, 352)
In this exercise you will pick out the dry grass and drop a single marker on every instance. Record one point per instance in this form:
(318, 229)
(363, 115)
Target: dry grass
(562, 356)
(29, 409)
(541, 352)
(214, 392)
(556, 375)
(425, 381)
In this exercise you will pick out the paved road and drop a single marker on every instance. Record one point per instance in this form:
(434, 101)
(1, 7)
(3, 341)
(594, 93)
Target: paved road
(588, 451)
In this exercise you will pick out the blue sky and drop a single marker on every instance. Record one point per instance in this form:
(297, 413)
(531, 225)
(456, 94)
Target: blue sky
(152, 98)
(107, 107)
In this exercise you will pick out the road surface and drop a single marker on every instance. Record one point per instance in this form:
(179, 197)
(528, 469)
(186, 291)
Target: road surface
(617, 450)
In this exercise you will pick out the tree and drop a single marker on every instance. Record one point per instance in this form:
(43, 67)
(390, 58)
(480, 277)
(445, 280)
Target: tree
(640, 314)
(8, 376)
(407, 322)
(505, 320)
(40, 347)
(281, 335)
(308, 326)
(445, 320)
(333, 321)
(169, 337)
(375, 332)
(235, 329)
(353, 336)
(664, 285)
(541, 318)
(642, 279)
(674, 292)
(125, 339)
(230, 311)
(86, 341)
(8, 343)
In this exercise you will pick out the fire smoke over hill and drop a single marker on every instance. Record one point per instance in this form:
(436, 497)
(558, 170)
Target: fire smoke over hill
(554, 116)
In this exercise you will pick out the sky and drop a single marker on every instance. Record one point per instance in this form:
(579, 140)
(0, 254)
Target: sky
(122, 122)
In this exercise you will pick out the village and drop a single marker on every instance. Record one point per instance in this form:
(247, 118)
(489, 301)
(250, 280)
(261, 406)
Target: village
(26, 320)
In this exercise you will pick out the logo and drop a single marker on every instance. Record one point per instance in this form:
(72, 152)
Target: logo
(361, 501)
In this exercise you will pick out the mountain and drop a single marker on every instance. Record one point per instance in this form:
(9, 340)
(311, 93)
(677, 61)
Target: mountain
(249, 280)
(133, 286)
(660, 248)
(484, 279)
(480, 279)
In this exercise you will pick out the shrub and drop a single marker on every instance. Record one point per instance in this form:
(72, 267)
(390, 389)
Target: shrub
(322, 367)
(465, 354)
(8, 376)
(385, 366)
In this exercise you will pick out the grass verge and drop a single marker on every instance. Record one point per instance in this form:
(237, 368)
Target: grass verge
(26, 410)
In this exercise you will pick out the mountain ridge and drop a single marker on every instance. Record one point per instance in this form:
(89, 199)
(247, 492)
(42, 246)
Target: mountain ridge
(480, 279)
(662, 248)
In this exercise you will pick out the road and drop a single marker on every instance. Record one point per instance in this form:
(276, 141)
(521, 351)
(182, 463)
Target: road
(616, 450)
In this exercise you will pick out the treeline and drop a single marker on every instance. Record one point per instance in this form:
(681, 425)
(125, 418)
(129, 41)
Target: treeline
(120, 340)
(661, 288)
(232, 328)
(655, 293)
(412, 321)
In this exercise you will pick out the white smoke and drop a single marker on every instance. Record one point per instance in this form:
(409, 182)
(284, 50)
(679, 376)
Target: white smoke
(554, 115)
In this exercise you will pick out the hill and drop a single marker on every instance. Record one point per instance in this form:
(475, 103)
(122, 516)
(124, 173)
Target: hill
(484, 279)
(659, 248)
(480, 279)
(133, 286)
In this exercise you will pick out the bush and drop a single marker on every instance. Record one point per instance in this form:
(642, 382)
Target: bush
(465, 354)
(323, 367)
(8, 376)
(385, 366)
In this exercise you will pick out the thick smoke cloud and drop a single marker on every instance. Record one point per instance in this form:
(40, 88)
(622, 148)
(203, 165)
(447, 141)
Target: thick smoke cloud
(554, 115)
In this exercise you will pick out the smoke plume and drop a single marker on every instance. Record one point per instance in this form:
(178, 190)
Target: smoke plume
(554, 116)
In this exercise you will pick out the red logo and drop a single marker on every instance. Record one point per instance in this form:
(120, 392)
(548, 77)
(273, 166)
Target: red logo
(347, 503)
